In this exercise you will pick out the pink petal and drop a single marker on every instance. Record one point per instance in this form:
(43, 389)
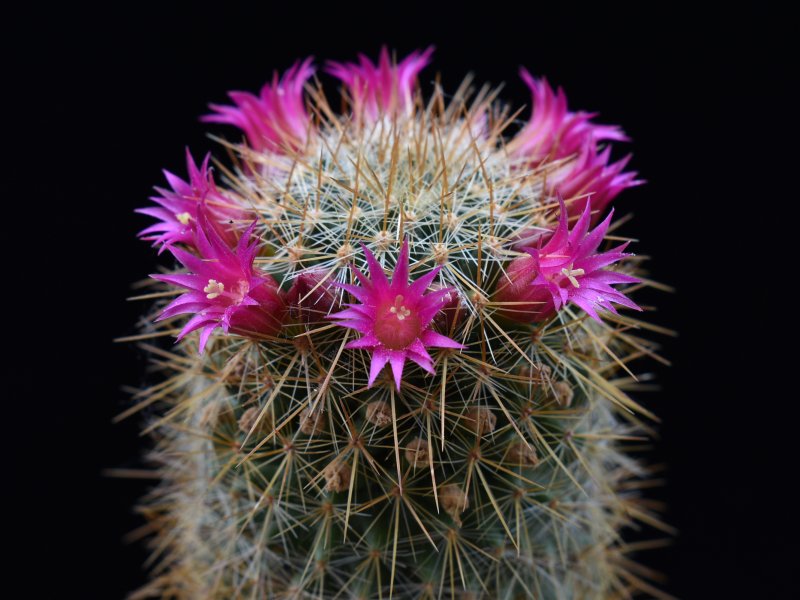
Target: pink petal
(400, 275)
(437, 340)
(204, 335)
(366, 341)
(379, 359)
(397, 360)
(377, 276)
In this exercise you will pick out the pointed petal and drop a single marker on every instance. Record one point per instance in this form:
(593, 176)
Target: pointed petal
(588, 306)
(417, 352)
(365, 341)
(355, 313)
(400, 276)
(379, 359)
(423, 360)
(591, 242)
(186, 280)
(196, 322)
(377, 276)
(418, 287)
(437, 340)
(358, 292)
(581, 227)
(204, 335)
(561, 234)
(397, 360)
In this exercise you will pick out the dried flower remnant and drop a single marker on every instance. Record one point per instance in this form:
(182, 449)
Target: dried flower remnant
(519, 453)
(379, 413)
(563, 393)
(454, 501)
(250, 418)
(416, 453)
(337, 476)
(312, 421)
(481, 420)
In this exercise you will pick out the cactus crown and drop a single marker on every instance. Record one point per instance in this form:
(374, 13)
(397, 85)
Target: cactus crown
(412, 379)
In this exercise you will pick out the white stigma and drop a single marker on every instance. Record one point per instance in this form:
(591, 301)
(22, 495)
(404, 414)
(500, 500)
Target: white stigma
(214, 289)
(183, 218)
(570, 274)
(399, 310)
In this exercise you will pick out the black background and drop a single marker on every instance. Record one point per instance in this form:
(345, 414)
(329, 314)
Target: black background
(101, 99)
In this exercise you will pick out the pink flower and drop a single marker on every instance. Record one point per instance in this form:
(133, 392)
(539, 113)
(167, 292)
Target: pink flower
(384, 88)
(311, 296)
(276, 119)
(394, 317)
(554, 133)
(565, 269)
(591, 178)
(178, 208)
(224, 289)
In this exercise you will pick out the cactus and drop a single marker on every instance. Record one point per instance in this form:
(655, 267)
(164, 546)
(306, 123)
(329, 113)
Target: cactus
(411, 377)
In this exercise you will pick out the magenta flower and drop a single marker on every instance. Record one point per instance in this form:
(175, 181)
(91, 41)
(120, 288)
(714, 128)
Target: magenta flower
(384, 88)
(591, 178)
(565, 269)
(275, 120)
(178, 208)
(394, 317)
(554, 133)
(224, 288)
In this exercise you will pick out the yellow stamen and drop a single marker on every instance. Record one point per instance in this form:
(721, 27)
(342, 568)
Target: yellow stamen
(183, 218)
(401, 311)
(570, 274)
(214, 289)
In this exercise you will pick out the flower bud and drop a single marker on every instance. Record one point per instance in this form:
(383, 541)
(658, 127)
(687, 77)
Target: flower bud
(310, 298)
(264, 318)
(452, 312)
(519, 299)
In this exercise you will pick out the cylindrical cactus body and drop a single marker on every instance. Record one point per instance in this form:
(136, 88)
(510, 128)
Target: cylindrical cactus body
(411, 378)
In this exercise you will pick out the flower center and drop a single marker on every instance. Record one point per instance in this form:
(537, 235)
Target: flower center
(396, 326)
(398, 309)
(183, 218)
(214, 289)
(571, 274)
